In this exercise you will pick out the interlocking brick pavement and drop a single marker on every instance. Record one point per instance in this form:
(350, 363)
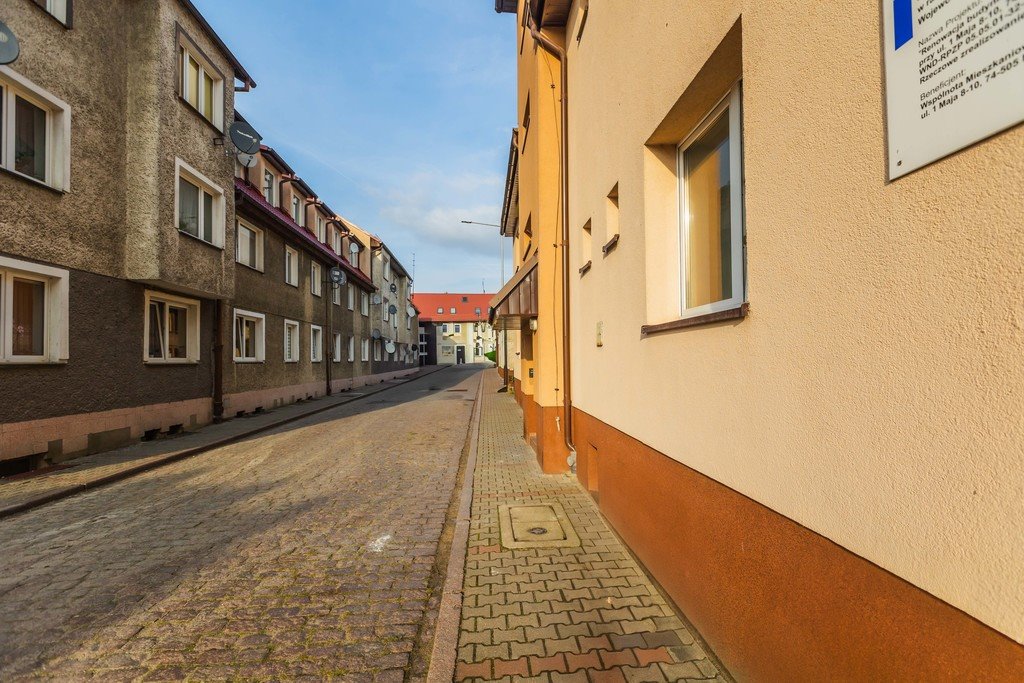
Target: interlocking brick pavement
(586, 613)
(306, 552)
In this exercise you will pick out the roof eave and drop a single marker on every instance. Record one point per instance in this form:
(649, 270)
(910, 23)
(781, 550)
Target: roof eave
(240, 72)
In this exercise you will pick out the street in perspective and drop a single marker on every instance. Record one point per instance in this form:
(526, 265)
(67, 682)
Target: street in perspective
(511, 340)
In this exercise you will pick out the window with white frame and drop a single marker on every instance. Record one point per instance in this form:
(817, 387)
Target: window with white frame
(297, 212)
(250, 337)
(365, 350)
(33, 313)
(376, 349)
(201, 84)
(316, 281)
(35, 131)
(291, 341)
(337, 348)
(171, 329)
(336, 240)
(335, 294)
(249, 245)
(453, 310)
(440, 310)
(458, 328)
(387, 268)
(58, 9)
(291, 266)
(444, 328)
(269, 186)
(351, 298)
(200, 206)
(316, 343)
(711, 229)
(364, 303)
(386, 310)
(321, 229)
(351, 349)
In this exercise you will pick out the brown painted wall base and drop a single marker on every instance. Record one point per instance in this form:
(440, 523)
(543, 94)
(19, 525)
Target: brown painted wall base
(776, 601)
(541, 429)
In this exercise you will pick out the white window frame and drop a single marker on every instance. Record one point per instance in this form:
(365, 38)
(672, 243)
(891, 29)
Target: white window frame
(365, 350)
(351, 349)
(261, 335)
(364, 304)
(316, 278)
(321, 228)
(273, 186)
(56, 326)
(316, 354)
(289, 255)
(351, 298)
(291, 327)
(457, 328)
(440, 310)
(192, 319)
(386, 310)
(58, 129)
(731, 105)
(336, 356)
(298, 214)
(184, 171)
(58, 9)
(444, 328)
(377, 346)
(185, 50)
(259, 244)
(387, 268)
(335, 294)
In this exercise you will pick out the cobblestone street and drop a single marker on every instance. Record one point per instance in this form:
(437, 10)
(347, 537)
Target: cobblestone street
(308, 551)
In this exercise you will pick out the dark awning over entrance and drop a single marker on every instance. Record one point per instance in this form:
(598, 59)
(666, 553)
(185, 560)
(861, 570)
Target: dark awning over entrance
(517, 300)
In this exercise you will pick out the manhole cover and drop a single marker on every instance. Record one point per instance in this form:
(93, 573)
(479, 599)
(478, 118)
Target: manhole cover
(535, 526)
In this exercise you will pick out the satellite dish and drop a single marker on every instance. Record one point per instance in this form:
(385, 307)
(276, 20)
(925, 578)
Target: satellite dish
(394, 288)
(246, 160)
(375, 334)
(245, 138)
(390, 347)
(337, 276)
(354, 248)
(9, 47)
(377, 299)
(392, 309)
(411, 311)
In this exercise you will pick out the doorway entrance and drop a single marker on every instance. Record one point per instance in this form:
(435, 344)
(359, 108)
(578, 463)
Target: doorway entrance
(460, 355)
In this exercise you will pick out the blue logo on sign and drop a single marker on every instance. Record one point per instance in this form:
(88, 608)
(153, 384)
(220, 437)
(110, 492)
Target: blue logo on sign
(903, 21)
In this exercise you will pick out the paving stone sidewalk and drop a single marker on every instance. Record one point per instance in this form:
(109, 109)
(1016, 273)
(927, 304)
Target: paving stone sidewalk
(85, 471)
(585, 613)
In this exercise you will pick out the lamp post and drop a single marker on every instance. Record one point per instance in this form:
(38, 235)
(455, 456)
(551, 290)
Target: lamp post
(503, 326)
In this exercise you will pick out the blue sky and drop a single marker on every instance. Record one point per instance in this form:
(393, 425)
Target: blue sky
(398, 113)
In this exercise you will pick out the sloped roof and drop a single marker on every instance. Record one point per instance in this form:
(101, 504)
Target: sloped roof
(465, 306)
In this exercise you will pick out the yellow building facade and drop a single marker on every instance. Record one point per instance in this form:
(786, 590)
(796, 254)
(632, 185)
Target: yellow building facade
(796, 386)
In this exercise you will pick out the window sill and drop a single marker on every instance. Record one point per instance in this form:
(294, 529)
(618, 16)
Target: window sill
(610, 247)
(200, 240)
(258, 270)
(696, 321)
(31, 361)
(249, 361)
(199, 115)
(170, 363)
(66, 25)
(33, 181)
(292, 284)
(586, 268)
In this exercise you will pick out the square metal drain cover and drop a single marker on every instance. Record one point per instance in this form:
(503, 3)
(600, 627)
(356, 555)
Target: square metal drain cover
(535, 526)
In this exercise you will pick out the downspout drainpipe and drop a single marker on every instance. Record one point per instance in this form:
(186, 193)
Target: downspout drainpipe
(218, 362)
(560, 55)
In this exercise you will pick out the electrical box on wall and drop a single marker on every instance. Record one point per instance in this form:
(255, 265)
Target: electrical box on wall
(600, 334)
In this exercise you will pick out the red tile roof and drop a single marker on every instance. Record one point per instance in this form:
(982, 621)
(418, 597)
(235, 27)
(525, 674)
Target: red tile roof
(465, 311)
(253, 196)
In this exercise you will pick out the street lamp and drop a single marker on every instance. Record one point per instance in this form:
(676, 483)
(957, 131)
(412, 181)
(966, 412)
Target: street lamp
(502, 243)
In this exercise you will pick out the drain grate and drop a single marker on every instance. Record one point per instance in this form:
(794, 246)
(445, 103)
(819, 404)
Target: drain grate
(535, 526)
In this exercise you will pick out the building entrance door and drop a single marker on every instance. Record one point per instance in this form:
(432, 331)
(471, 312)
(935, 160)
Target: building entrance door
(460, 355)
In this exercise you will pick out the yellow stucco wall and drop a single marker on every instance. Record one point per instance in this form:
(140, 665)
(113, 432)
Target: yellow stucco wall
(874, 394)
(539, 186)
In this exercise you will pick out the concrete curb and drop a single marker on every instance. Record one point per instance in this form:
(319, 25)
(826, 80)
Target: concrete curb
(449, 617)
(189, 453)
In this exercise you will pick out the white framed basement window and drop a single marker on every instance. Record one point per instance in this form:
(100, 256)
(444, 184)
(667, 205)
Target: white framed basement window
(291, 266)
(199, 205)
(291, 341)
(336, 357)
(351, 349)
(365, 350)
(316, 343)
(33, 313)
(35, 132)
(250, 336)
(201, 85)
(316, 279)
(171, 329)
(710, 168)
(249, 245)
